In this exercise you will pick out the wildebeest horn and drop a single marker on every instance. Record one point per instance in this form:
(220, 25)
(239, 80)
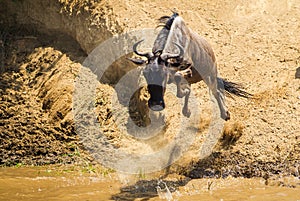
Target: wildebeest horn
(166, 56)
(148, 55)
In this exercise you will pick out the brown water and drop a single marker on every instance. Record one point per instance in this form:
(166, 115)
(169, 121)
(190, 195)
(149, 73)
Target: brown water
(47, 184)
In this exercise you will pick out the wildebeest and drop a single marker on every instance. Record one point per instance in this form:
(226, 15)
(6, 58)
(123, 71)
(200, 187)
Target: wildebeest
(183, 57)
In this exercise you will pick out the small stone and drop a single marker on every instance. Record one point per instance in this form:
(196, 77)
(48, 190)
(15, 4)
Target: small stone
(297, 74)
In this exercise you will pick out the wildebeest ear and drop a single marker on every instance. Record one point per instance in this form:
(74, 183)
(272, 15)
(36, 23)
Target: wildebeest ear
(137, 61)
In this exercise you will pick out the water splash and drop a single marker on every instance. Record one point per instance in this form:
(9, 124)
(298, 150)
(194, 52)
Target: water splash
(163, 191)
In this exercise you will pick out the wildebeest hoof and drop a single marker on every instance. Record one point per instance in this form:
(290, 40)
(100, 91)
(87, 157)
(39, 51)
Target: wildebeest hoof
(226, 116)
(186, 112)
(180, 95)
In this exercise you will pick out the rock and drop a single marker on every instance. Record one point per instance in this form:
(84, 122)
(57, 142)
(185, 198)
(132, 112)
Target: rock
(297, 74)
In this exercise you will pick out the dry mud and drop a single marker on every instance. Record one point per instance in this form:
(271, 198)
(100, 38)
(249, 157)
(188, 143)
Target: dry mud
(256, 44)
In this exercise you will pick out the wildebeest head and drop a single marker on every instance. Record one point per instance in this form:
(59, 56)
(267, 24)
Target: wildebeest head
(156, 74)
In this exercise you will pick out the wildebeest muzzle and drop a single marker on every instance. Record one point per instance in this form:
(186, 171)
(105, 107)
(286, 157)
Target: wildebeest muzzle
(156, 101)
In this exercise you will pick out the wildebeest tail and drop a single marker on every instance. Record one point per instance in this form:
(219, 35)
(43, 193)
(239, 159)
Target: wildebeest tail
(234, 88)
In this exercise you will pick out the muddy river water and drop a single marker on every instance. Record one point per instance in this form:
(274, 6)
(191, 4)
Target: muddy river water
(43, 183)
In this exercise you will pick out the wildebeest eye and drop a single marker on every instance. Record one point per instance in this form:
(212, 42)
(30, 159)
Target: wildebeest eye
(175, 64)
(182, 66)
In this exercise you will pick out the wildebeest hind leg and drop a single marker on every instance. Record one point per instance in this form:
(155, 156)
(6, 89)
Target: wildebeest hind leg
(219, 96)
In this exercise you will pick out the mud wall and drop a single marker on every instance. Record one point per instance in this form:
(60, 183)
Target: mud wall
(88, 23)
(42, 46)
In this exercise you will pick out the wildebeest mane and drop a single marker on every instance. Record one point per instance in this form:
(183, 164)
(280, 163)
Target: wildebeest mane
(166, 21)
(160, 41)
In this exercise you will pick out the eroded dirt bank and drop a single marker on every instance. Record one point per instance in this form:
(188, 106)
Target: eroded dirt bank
(256, 44)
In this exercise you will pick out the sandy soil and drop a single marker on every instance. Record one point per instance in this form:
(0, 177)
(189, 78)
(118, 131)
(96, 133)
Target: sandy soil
(256, 44)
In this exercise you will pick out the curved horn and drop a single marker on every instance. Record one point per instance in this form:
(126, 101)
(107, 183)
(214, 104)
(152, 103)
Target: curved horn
(148, 55)
(166, 56)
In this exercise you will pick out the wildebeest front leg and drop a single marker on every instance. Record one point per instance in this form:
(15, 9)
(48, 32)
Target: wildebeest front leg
(183, 89)
(185, 110)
